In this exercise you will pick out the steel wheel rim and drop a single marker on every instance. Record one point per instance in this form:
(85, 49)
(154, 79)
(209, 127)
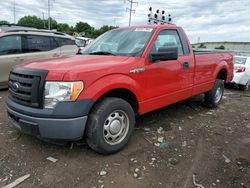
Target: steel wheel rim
(115, 127)
(218, 94)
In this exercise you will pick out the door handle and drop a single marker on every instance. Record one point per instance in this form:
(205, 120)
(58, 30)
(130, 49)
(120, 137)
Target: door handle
(19, 59)
(55, 55)
(185, 65)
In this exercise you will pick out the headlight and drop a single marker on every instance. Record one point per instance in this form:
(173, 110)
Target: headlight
(61, 91)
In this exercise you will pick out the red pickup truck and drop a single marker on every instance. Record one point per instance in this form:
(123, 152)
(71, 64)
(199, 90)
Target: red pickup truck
(124, 73)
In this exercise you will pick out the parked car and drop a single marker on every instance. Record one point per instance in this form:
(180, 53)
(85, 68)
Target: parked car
(97, 95)
(242, 72)
(82, 42)
(19, 44)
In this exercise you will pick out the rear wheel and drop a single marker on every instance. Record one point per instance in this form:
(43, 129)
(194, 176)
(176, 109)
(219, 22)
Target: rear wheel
(245, 87)
(214, 96)
(110, 125)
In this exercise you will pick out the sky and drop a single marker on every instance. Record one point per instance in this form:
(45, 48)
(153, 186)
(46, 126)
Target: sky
(203, 20)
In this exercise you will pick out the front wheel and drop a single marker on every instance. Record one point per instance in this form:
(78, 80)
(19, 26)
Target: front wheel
(214, 96)
(110, 125)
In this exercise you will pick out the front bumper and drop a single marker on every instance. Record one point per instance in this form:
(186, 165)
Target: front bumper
(53, 127)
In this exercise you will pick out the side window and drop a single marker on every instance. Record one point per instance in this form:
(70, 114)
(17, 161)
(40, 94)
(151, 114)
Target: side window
(53, 44)
(168, 38)
(64, 41)
(184, 42)
(35, 43)
(10, 45)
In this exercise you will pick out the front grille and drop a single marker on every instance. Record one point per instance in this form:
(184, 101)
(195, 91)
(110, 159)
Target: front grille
(26, 86)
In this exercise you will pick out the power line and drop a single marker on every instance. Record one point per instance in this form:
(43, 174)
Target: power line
(131, 9)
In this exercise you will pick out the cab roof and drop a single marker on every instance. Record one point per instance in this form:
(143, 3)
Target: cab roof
(170, 26)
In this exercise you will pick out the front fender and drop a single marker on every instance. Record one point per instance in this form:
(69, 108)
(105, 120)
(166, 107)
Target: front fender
(109, 82)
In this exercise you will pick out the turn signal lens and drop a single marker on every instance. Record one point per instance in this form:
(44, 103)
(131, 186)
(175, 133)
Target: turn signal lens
(76, 90)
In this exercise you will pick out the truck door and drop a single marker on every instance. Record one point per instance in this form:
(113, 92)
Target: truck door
(169, 81)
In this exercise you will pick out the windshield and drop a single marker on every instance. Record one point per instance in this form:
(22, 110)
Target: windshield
(122, 42)
(240, 60)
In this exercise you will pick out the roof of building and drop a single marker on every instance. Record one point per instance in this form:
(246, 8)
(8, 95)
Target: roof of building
(222, 42)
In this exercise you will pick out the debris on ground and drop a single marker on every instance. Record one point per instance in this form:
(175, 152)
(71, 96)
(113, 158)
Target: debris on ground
(173, 161)
(227, 160)
(164, 145)
(209, 113)
(160, 130)
(160, 139)
(146, 129)
(17, 181)
(103, 173)
(71, 145)
(196, 184)
(52, 159)
(147, 139)
(184, 143)
(157, 144)
(180, 129)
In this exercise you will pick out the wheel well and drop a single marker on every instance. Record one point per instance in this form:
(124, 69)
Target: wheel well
(222, 75)
(126, 95)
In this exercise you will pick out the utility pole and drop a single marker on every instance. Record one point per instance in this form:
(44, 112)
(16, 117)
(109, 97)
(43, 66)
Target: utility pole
(14, 11)
(48, 14)
(43, 20)
(131, 9)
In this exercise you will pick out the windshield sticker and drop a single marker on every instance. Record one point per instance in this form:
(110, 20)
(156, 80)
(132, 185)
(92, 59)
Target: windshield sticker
(144, 29)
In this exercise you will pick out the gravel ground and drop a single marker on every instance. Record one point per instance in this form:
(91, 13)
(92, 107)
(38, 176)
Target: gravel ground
(169, 148)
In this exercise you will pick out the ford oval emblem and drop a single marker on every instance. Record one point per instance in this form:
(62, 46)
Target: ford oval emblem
(15, 86)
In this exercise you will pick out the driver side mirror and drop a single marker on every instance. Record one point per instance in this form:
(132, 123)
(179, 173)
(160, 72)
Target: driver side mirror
(164, 54)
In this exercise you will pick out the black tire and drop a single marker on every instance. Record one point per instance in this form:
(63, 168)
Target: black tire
(212, 98)
(96, 133)
(245, 87)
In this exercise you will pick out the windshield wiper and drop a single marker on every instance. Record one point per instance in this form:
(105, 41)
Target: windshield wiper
(101, 53)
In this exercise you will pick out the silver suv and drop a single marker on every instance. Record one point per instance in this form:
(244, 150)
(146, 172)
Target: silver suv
(19, 44)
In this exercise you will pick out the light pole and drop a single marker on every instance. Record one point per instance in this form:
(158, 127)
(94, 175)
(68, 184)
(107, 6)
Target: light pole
(48, 14)
(131, 9)
(14, 11)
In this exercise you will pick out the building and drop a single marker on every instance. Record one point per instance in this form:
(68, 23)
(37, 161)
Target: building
(242, 48)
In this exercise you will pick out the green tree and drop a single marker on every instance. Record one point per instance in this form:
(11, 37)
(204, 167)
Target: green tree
(53, 23)
(34, 21)
(4, 22)
(82, 27)
(63, 27)
(31, 21)
(202, 45)
(221, 47)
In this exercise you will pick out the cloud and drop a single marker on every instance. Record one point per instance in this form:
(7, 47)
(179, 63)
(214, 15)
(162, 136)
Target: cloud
(209, 20)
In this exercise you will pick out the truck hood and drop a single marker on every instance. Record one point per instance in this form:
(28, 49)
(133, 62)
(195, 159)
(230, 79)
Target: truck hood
(67, 63)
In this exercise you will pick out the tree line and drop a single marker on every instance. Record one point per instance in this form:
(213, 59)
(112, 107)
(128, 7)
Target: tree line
(80, 27)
